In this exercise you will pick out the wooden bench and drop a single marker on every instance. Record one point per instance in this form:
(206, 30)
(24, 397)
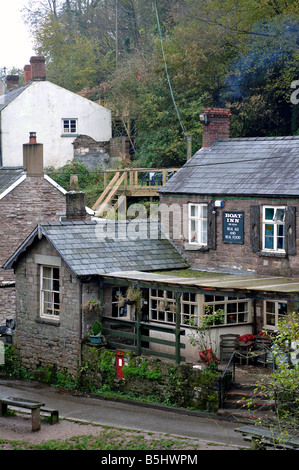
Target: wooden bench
(262, 438)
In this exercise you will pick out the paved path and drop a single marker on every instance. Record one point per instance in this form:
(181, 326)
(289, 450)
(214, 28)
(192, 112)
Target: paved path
(126, 415)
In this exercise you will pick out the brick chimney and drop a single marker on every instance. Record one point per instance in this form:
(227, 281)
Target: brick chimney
(38, 68)
(216, 123)
(75, 201)
(33, 158)
(27, 74)
(12, 81)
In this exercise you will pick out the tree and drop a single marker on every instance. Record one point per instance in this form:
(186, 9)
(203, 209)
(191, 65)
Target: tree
(283, 385)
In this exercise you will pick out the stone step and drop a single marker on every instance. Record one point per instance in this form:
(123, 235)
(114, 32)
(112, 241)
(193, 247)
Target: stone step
(256, 404)
(246, 416)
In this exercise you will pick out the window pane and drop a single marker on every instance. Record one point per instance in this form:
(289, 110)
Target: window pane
(204, 232)
(269, 213)
(270, 307)
(194, 211)
(280, 215)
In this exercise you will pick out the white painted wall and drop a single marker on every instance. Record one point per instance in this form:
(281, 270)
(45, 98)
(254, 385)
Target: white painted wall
(40, 108)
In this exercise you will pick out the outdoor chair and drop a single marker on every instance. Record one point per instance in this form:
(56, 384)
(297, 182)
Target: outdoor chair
(228, 344)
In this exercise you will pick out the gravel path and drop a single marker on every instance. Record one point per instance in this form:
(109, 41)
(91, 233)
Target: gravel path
(18, 428)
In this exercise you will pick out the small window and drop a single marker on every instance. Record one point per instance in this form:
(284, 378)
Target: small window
(69, 126)
(198, 224)
(274, 228)
(50, 292)
(273, 312)
(119, 307)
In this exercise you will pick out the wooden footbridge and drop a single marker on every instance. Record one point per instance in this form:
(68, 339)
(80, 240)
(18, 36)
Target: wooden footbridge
(130, 182)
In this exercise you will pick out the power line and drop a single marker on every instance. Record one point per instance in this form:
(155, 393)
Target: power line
(166, 70)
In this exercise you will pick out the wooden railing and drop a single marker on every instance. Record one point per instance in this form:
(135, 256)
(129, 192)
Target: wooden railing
(136, 177)
(137, 337)
(132, 182)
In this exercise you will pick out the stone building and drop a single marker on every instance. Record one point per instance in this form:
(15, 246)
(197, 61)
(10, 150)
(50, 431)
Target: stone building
(236, 202)
(58, 116)
(63, 262)
(27, 195)
(230, 211)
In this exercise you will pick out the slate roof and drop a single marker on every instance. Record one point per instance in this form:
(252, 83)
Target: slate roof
(9, 176)
(88, 250)
(10, 95)
(245, 167)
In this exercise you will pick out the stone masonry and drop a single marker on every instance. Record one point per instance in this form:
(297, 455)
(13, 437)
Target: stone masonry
(230, 257)
(34, 200)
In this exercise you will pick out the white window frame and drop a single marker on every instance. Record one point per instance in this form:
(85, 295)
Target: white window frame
(194, 306)
(198, 236)
(67, 128)
(50, 296)
(231, 307)
(276, 224)
(276, 313)
(118, 311)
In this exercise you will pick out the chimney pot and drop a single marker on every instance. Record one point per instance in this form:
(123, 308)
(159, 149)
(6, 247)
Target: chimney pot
(216, 123)
(32, 137)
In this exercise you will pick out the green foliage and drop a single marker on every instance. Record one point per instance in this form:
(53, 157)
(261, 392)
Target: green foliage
(91, 182)
(283, 384)
(96, 328)
(64, 379)
(241, 54)
(13, 364)
(141, 370)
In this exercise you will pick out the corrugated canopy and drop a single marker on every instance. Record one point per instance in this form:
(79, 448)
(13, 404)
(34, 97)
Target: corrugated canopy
(238, 283)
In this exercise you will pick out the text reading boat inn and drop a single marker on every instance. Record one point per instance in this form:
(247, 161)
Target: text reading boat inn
(233, 227)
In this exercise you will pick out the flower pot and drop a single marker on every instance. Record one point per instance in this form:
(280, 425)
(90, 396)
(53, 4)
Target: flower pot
(95, 339)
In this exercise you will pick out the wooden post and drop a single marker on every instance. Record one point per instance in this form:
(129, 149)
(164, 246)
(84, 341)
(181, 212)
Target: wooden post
(164, 176)
(177, 327)
(138, 332)
(189, 146)
(131, 180)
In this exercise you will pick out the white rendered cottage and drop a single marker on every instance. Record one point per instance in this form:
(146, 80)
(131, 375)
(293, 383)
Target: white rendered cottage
(57, 115)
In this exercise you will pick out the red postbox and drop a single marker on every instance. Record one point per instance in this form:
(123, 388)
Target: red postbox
(119, 364)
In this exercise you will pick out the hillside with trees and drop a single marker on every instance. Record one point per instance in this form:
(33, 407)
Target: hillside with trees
(163, 61)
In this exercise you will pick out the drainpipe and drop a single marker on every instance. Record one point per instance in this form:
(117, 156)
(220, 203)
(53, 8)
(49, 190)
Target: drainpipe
(1, 164)
(80, 320)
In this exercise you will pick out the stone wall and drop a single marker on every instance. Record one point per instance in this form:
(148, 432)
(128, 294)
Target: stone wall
(100, 155)
(230, 257)
(33, 200)
(144, 376)
(47, 342)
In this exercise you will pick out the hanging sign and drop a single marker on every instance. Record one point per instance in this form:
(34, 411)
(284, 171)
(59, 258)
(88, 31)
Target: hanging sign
(233, 227)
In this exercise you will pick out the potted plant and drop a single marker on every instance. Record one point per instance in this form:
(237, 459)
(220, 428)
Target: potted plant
(95, 336)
